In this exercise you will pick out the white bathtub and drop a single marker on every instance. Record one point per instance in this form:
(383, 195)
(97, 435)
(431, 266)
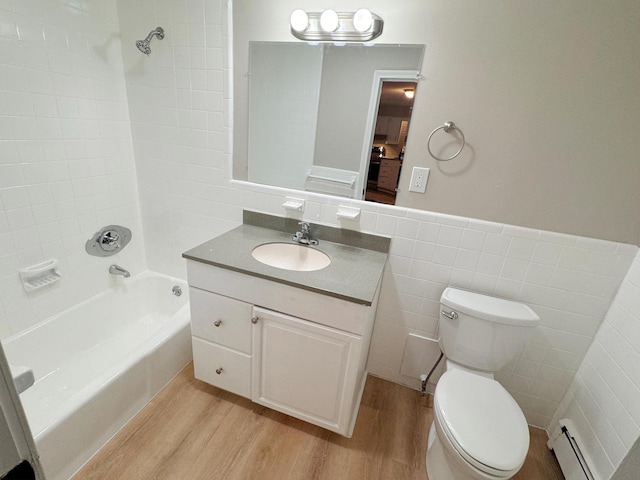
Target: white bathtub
(98, 363)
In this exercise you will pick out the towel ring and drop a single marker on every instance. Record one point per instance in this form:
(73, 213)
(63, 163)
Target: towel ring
(448, 126)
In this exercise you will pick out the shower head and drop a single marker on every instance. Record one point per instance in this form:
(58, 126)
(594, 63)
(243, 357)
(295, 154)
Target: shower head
(143, 45)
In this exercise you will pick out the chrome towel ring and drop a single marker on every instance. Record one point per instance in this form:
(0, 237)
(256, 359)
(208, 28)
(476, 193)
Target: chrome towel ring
(447, 127)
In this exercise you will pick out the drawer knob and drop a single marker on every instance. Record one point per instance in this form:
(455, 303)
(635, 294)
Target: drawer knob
(219, 370)
(254, 320)
(217, 323)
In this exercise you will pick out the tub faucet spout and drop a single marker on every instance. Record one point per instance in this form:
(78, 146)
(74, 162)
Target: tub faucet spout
(118, 270)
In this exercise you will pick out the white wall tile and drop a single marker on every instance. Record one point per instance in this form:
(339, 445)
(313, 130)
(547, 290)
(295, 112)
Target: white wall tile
(48, 112)
(604, 397)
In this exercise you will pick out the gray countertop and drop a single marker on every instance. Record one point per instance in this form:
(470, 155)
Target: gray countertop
(353, 275)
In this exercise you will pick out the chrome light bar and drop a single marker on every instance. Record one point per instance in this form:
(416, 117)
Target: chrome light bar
(332, 26)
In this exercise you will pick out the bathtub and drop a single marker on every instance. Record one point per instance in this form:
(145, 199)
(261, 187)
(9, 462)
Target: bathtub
(98, 363)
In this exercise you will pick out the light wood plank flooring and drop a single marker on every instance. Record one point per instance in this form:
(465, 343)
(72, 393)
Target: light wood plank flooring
(194, 431)
(380, 196)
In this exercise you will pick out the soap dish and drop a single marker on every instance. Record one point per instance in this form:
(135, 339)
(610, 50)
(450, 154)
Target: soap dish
(40, 275)
(294, 204)
(348, 213)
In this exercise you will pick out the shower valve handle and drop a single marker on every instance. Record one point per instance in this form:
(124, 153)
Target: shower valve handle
(110, 240)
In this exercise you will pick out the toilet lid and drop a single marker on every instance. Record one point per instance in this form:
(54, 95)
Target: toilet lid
(483, 421)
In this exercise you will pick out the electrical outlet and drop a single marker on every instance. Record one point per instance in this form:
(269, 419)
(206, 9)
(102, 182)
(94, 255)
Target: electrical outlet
(419, 177)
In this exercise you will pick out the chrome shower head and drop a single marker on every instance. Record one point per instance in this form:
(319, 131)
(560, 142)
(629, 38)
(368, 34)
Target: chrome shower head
(143, 45)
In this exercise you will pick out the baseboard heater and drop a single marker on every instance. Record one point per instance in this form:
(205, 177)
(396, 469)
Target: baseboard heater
(565, 443)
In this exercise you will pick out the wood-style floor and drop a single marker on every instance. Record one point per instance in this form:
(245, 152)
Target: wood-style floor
(380, 196)
(194, 431)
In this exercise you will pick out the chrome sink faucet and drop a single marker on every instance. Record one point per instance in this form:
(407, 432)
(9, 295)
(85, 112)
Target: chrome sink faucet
(304, 235)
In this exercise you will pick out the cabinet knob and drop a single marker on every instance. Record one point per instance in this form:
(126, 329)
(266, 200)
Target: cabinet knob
(219, 370)
(254, 320)
(217, 323)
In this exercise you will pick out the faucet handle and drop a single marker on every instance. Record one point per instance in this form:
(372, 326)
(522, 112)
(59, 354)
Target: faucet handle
(305, 227)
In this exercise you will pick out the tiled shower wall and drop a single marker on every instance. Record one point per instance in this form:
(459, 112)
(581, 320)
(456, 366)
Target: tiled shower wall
(178, 107)
(66, 159)
(603, 399)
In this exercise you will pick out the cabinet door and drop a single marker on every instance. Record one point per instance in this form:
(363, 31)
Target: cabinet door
(304, 369)
(393, 130)
(382, 125)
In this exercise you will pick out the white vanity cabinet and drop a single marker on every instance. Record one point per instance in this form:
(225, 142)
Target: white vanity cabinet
(221, 339)
(304, 369)
(294, 350)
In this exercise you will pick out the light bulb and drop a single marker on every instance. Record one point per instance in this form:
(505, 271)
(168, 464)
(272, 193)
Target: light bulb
(362, 20)
(299, 20)
(409, 93)
(329, 21)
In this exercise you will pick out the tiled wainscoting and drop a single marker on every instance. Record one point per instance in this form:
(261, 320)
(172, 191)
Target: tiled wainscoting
(603, 399)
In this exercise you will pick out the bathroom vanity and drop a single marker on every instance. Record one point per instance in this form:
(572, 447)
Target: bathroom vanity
(293, 341)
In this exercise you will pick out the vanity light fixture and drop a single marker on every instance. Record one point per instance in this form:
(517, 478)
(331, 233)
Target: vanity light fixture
(329, 21)
(331, 26)
(362, 20)
(409, 92)
(299, 21)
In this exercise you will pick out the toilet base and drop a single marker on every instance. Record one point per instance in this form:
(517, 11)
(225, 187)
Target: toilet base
(441, 467)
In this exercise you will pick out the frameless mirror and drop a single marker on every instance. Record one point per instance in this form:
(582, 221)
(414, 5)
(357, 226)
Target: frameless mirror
(316, 111)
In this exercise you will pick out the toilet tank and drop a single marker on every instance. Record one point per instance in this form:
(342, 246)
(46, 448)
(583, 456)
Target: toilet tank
(483, 332)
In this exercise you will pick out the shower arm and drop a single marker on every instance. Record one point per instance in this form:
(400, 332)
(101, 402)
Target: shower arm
(158, 31)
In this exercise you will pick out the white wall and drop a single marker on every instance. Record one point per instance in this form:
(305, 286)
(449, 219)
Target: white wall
(344, 106)
(604, 397)
(545, 92)
(66, 160)
(284, 85)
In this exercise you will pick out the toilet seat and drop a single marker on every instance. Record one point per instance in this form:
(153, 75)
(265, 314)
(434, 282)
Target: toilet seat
(482, 422)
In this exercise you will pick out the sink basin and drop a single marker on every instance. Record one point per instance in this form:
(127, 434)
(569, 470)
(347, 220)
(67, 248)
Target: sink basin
(291, 256)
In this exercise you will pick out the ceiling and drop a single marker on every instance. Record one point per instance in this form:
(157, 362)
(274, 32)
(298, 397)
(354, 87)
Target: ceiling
(393, 93)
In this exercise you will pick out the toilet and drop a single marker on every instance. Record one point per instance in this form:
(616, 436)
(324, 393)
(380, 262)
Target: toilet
(478, 429)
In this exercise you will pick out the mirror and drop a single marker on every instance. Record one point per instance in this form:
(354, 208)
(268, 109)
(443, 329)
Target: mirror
(395, 105)
(315, 111)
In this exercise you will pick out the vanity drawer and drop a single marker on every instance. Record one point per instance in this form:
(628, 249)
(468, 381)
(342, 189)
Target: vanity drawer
(221, 319)
(234, 367)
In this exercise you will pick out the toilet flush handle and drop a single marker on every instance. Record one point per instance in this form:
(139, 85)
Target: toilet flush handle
(450, 315)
